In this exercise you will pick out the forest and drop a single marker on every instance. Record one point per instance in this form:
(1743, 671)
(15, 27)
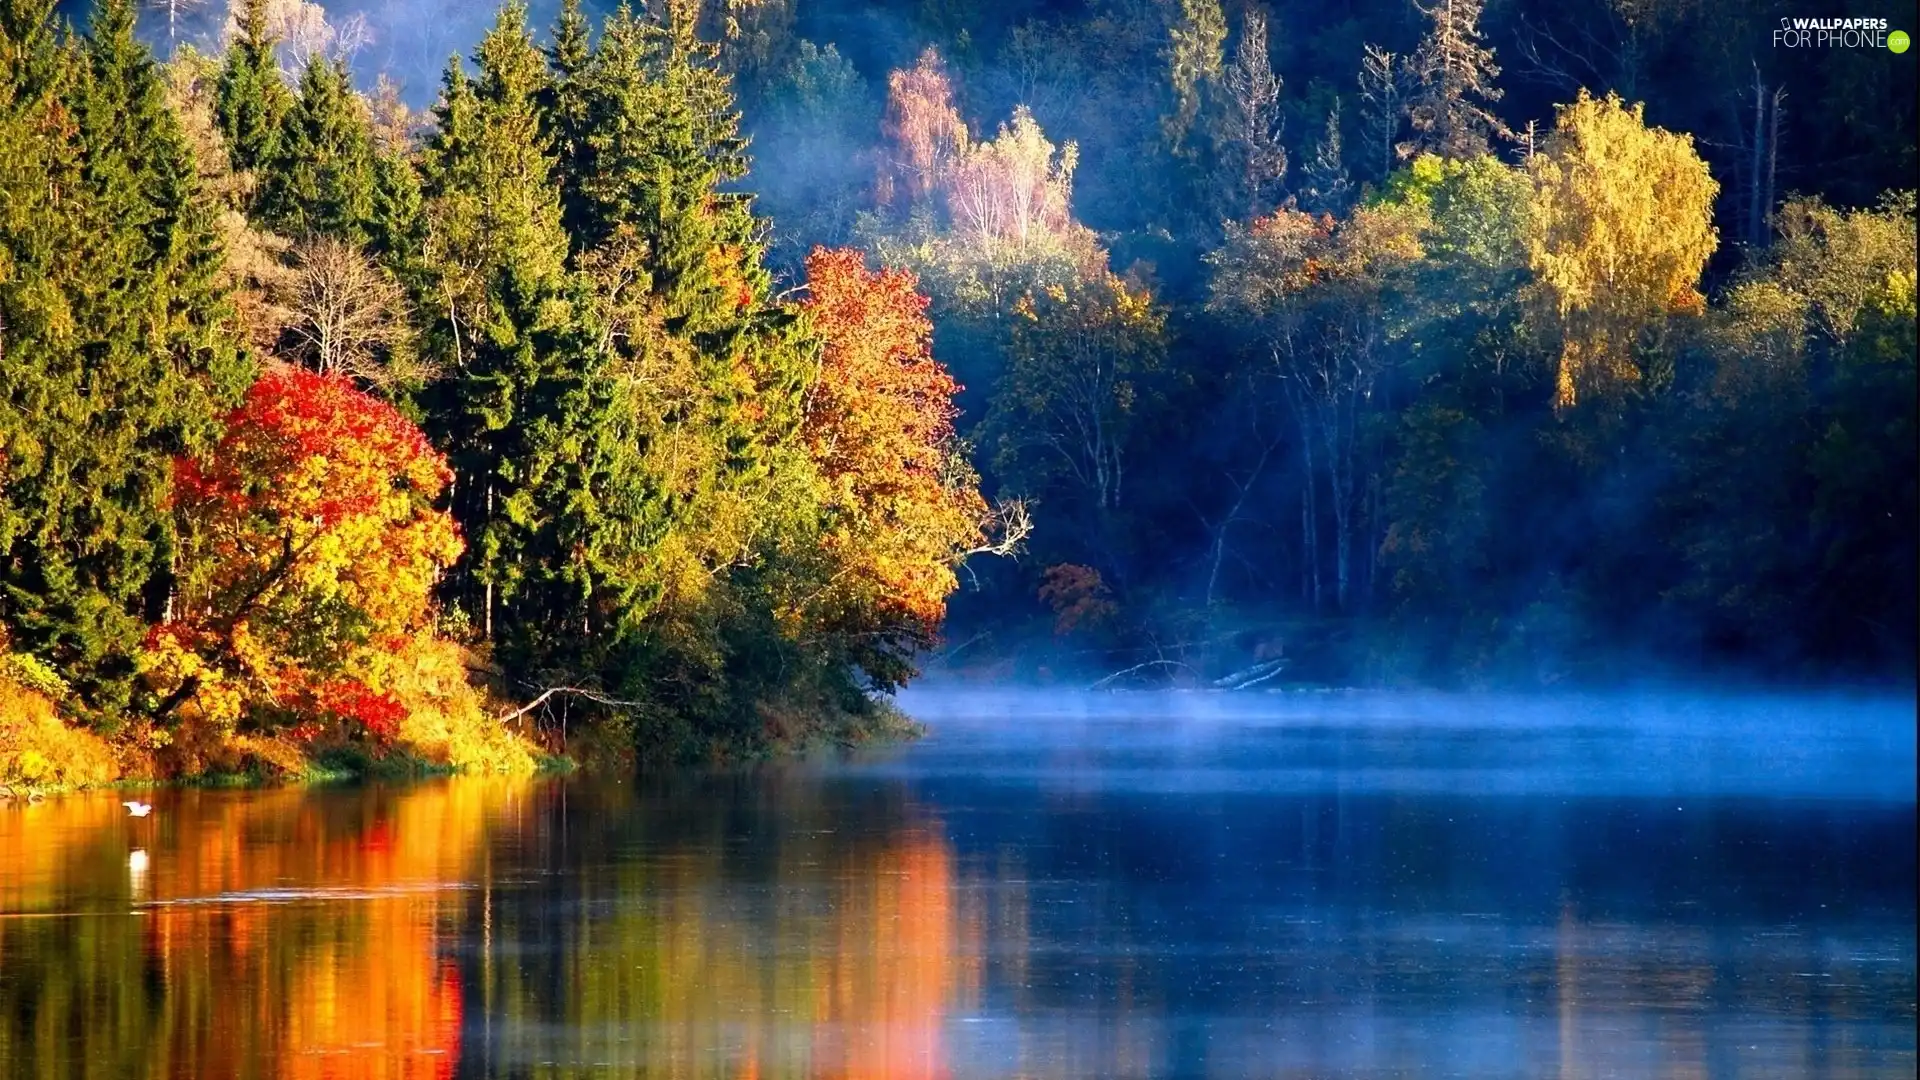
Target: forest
(654, 379)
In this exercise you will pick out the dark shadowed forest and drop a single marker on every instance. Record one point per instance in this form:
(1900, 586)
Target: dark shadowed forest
(687, 377)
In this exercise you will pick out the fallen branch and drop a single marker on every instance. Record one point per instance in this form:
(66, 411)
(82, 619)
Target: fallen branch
(1137, 667)
(591, 695)
(955, 651)
(1252, 676)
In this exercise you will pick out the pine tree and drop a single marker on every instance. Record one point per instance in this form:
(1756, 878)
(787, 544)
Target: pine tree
(251, 100)
(113, 347)
(322, 178)
(1450, 109)
(1250, 124)
(538, 433)
(1327, 189)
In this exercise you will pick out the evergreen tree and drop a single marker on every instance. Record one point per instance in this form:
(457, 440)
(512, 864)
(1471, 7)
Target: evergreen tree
(1195, 56)
(1327, 189)
(113, 342)
(564, 105)
(322, 180)
(250, 99)
(398, 223)
(538, 435)
(1451, 109)
(1253, 160)
(663, 139)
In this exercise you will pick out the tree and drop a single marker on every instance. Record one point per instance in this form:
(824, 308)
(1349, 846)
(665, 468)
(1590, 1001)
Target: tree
(1012, 189)
(1196, 53)
(251, 98)
(505, 325)
(1450, 108)
(818, 123)
(1062, 417)
(300, 30)
(1384, 85)
(902, 503)
(1326, 188)
(1250, 125)
(321, 180)
(923, 129)
(350, 316)
(563, 104)
(1622, 225)
(113, 345)
(1794, 505)
(173, 10)
(312, 537)
(1311, 294)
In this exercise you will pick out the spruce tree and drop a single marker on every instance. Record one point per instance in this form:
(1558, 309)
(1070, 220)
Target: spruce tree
(250, 99)
(663, 140)
(113, 355)
(397, 227)
(1451, 108)
(322, 181)
(564, 104)
(539, 433)
(725, 363)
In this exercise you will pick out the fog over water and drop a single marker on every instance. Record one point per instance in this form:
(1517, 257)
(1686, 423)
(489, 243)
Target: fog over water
(1836, 745)
(1050, 884)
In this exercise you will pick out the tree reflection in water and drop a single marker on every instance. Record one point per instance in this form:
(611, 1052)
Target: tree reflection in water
(787, 923)
(346, 934)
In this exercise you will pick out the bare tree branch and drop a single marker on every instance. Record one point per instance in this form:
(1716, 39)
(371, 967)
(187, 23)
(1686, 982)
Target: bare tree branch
(591, 695)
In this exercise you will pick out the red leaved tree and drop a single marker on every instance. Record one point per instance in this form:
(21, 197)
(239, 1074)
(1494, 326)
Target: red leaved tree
(311, 539)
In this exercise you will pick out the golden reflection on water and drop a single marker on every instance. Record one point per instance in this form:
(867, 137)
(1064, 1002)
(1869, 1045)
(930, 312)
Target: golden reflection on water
(309, 935)
(775, 931)
(237, 934)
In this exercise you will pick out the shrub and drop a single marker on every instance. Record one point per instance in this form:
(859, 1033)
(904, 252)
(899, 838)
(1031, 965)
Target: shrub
(39, 752)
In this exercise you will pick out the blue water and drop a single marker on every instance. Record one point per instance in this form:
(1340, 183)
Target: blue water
(1049, 885)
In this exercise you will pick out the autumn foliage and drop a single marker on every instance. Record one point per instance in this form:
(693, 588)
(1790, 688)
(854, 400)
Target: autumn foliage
(924, 130)
(902, 501)
(312, 540)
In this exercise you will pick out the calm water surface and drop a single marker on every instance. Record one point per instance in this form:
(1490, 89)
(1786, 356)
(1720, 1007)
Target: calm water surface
(1112, 886)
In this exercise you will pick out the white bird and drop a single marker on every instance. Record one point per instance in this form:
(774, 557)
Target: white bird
(138, 809)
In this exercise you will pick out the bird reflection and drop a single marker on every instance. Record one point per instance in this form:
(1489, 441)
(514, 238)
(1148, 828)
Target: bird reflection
(137, 873)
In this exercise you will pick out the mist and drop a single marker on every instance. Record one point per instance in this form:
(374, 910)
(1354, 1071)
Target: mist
(1671, 744)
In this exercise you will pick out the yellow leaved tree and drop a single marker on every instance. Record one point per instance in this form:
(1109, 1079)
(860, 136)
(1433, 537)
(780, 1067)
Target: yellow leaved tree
(1622, 225)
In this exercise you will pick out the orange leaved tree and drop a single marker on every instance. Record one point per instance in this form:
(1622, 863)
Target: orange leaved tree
(311, 541)
(903, 506)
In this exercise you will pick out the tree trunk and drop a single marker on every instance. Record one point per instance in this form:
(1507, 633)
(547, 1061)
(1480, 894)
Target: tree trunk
(1773, 161)
(486, 621)
(1310, 526)
(1759, 140)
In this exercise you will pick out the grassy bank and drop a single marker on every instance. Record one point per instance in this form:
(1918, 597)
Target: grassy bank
(451, 727)
(448, 726)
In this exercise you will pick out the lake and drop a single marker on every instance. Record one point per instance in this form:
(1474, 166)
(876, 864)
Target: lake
(1125, 885)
